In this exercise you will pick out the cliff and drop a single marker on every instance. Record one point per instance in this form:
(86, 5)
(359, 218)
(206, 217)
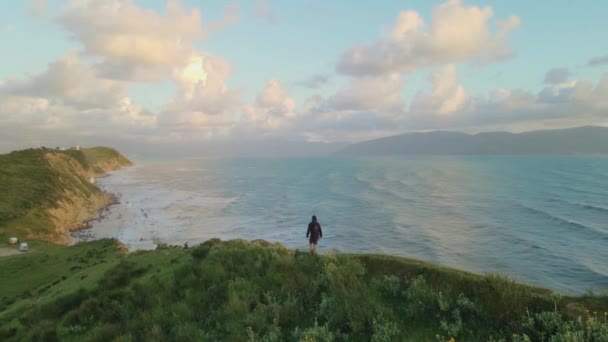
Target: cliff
(47, 193)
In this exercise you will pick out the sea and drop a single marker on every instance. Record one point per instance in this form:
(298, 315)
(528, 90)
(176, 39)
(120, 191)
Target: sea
(541, 220)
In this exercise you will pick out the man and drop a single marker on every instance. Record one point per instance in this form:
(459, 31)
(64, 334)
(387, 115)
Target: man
(315, 232)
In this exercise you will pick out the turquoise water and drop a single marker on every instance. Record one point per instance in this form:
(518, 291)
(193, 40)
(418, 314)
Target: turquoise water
(542, 220)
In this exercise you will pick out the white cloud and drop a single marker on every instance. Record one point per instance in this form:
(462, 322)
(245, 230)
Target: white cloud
(272, 109)
(573, 103)
(15, 109)
(203, 101)
(86, 92)
(456, 33)
(369, 93)
(447, 95)
(9, 28)
(70, 97)
(133, 43)
(70, 81)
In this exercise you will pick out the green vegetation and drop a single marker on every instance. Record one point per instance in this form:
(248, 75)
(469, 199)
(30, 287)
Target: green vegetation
(258, 291)
(26, 183)
(34, 180)
(99, 157)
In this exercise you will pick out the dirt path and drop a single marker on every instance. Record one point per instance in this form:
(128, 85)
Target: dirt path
(6, 251)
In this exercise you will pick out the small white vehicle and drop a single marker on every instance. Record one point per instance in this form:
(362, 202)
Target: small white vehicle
(23, 247)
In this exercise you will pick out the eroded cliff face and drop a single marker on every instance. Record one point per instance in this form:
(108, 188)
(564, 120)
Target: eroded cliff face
(74, 211)
(80, 201)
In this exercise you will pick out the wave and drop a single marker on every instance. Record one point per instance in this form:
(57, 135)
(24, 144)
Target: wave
(591, 207)
(598, 269)
(582, 191)
(558, 219)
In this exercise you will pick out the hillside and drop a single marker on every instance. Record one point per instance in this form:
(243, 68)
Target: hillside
(258, 291)
(582, 140)
(45, 193)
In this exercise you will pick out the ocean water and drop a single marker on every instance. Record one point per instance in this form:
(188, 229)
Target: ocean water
(542, 220)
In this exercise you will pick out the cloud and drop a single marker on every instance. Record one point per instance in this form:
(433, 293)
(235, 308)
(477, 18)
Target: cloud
(71, 98)
(369, 93)
(85, 92)
(348, 117)
(456, 33)
(9, 28)
(264, 12)
(203, 101)
(315, 82)
(70, 81)
(574, 103)
(272, 109)
(447, 95)
(596, 61)
(557, 76)
(137, 44)
(367, 107)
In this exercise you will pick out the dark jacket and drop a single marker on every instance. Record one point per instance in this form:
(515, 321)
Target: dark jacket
(314, 231)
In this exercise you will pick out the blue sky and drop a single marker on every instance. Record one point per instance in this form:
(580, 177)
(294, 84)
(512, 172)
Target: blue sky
(264, 50)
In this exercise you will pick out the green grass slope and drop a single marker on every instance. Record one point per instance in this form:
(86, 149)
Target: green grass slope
(257, 291)
(30, 184)
(102, 159)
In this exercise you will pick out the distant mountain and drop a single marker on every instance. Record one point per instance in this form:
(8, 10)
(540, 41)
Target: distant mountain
(581, 140)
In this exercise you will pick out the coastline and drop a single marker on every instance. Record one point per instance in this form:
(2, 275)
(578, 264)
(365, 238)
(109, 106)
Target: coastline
(52, 193)
(78, 233)
(99, 215)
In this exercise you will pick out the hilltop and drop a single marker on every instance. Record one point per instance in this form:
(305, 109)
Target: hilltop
(581, 140)
(46, 193)
(259, 291)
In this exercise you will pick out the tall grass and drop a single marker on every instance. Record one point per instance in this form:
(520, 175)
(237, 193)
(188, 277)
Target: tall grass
(256, 291)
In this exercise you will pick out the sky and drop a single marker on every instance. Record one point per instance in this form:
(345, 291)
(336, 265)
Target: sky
(200, 74)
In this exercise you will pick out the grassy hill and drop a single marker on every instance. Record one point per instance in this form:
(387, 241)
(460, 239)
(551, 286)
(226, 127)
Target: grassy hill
(258, 291)
(40, 185)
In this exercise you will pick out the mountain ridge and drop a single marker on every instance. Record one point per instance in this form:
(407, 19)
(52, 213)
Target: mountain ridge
(578, 140)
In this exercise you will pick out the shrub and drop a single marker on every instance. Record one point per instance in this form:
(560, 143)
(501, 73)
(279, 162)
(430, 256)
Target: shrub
(200, 252)
(420, 300)
(389, 285)
(315, 333)
(384, 331)
(509, 299)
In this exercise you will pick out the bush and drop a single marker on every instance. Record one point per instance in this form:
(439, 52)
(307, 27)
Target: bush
(509, 298)
(315, 333)
(420, 300)
(200, 252)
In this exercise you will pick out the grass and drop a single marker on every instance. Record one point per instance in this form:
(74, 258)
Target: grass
(99, 156)
(30, 184)
(258, 291)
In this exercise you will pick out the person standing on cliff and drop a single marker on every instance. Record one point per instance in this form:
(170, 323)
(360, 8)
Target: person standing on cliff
(314, 233)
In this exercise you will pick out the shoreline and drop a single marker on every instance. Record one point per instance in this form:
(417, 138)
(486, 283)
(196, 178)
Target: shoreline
(78, 234)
